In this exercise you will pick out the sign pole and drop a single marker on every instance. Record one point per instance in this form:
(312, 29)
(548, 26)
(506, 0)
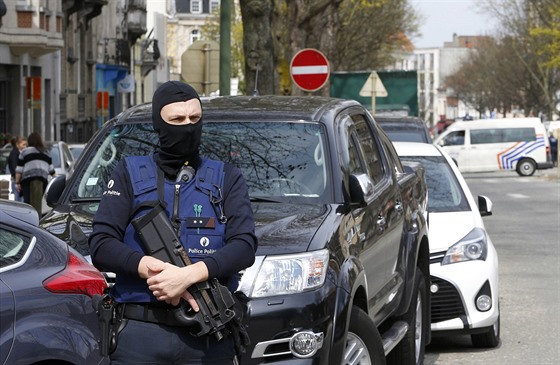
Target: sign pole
(373, 87)
(373, 93)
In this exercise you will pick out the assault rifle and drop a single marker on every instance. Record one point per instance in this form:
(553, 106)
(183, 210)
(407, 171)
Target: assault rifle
(214, 299)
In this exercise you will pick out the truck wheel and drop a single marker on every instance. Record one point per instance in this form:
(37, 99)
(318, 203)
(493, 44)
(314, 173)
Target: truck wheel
(526, 167)
(411, 348)
(363, 341)
(488, 339)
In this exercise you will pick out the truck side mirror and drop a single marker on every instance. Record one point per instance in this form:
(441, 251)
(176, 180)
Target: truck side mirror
(361, 189)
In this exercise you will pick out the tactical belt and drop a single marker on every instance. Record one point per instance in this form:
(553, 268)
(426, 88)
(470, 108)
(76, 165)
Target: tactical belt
(147, 313)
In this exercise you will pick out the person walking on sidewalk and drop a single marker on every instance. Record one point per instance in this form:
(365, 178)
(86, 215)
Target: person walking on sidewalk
(33, 170)
(18, 144)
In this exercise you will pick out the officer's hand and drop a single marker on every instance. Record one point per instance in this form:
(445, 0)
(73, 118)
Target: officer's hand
(170, 284)
(149, 266)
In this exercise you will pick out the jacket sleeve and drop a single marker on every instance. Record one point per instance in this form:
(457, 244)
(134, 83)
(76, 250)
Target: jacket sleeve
(241, 242)
(13, 161)
(109, 225)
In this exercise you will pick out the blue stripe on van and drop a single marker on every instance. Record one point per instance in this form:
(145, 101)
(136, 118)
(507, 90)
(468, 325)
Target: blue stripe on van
(510, 156)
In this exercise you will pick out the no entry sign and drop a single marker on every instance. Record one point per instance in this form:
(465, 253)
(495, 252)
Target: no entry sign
(309, 69)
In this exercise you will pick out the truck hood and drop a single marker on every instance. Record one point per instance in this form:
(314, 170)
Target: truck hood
(287, 228)
(446, 229)
(281, 228)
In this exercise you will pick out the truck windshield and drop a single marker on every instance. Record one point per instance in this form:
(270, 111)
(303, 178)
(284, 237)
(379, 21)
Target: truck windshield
(281, 160)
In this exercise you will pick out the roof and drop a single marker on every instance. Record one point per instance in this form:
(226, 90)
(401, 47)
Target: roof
(416, 149)
(277, 107)
(404, 128)
(10, 209)
(495, 123)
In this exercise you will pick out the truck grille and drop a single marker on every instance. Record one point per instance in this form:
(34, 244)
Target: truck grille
(446, 302)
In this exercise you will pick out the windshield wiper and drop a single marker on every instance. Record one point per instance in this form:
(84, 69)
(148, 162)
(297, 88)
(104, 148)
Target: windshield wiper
(264, 199)
(93, 199)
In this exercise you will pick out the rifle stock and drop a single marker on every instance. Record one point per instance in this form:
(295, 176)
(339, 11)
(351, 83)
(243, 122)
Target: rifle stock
(214, 300)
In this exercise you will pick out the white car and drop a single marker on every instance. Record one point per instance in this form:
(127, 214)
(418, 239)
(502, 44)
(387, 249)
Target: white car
(5, 177)
(463, 260)
(62, 157)
(76, 149)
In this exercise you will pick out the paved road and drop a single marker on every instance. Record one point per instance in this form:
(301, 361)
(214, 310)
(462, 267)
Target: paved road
(525, 228)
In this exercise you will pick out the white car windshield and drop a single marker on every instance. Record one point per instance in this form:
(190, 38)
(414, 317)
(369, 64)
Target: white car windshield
(444, 191)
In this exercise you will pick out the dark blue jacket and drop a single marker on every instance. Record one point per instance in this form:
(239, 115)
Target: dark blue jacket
(111, 229)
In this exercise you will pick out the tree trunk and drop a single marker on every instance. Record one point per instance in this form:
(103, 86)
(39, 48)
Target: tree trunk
(311, 24)
(258, 46)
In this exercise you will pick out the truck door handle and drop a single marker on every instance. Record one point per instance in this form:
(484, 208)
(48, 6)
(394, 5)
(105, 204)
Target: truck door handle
(399, 207)
(381, 223)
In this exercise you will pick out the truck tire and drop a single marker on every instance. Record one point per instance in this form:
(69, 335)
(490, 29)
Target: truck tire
(526, 167)
(488, 339)
(411, 348)
(363, 341)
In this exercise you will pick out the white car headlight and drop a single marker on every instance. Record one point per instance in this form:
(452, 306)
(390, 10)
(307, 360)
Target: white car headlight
(474, 246)
(287, 274)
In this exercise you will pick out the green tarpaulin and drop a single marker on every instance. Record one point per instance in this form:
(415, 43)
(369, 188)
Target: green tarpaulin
(401, 86)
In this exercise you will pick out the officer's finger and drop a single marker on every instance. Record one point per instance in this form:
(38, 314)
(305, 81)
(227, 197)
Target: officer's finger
(192, 302)
(154, 267)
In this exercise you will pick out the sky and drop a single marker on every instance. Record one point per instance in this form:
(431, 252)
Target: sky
(442, 18)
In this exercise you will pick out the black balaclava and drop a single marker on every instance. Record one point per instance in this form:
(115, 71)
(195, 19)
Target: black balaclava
(178, 143)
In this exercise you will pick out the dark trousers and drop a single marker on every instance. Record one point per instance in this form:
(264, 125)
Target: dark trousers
(33, 190)
(151, 343)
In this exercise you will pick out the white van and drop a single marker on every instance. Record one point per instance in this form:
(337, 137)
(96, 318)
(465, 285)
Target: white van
(519, 144)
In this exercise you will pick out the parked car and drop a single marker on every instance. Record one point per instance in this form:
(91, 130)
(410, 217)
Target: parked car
(463, 260)
(45, 294)
(62, 158)
(5, 177)
(343, 246)
(404, 128)
(76, 149)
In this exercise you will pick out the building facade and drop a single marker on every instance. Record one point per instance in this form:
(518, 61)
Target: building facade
(98, 63)
(68, 66)
(31, 41)
(437, 102)
(184, 27)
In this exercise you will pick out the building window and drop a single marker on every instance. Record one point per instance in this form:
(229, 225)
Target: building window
(196, 6)
(24, 19)
(195, 36)
(214, 5)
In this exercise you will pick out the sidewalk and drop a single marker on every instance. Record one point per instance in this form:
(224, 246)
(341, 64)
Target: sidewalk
(549, 174)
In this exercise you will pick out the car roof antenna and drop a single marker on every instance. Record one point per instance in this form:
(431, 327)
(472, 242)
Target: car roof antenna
(256, 90)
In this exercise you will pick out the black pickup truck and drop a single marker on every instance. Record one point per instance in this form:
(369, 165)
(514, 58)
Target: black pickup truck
(342, 267)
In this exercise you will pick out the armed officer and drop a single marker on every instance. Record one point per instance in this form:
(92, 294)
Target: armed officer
(146, 288)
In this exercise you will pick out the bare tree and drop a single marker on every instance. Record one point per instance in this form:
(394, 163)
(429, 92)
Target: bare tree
(353, 35)
(530, 25)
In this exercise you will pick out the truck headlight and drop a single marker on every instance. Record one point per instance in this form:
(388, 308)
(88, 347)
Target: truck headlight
(474, 246)
(288, 274)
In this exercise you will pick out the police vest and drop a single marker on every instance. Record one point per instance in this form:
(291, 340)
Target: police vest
(194, 207)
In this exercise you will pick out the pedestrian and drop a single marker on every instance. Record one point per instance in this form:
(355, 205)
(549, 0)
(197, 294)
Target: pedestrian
(147, 288)
(18, 144)
(33, 170)
(553, 148)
